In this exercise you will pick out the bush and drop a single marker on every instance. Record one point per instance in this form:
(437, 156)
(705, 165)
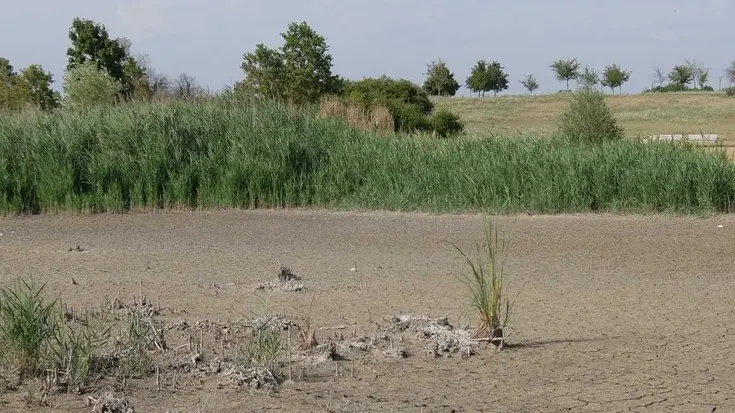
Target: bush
(446, 123)
(408, 103)
(588, 119)
(675, 87)
(730, 91)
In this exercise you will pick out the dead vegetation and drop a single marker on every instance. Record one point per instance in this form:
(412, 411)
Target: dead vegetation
(79, 350)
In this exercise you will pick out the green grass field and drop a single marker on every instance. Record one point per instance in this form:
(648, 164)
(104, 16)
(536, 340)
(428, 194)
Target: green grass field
(222, 154)
(641, 115)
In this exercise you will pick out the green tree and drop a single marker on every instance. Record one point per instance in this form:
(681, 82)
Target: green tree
(486, 77)
(299, 72)
(530, 83)
(497, 79)
(85, 85)
(90, 41)
(614, 77)
(588, 119)
(703, 77)
(731, 72)
(308, 65)
(265, 73)
(681, 75)
(36, 85)
(9, 93)
(477, 80)
(440, 80)
(589, 78)
(566, 70)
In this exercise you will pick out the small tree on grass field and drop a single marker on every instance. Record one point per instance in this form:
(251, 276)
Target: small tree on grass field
(731, 72)
(566, 70)
(681, 75)
(440, 80)
(530, 83)
(614, 77)
(486, 77)
(589, 120)
(589, 78)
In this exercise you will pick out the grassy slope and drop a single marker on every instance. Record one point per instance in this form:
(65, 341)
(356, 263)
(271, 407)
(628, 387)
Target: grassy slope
(641, 115)
(219, 154)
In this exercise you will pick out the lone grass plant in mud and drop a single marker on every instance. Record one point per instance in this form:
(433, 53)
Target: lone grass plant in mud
(485, 286)
(28, 323)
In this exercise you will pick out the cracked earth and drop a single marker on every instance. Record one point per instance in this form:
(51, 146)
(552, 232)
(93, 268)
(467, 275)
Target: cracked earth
(612, 313)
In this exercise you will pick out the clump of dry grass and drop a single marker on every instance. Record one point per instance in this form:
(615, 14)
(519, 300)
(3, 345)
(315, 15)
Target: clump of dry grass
(377, 119)
(485, 285)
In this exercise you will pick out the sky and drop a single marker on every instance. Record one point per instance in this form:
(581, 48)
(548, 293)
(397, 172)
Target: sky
(369, 38)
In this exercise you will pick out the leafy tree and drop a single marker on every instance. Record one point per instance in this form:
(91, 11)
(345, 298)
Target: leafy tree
(731, 72)
(497, 79)
(703, 77)
(440, 80)
(477, 80)
(486, 77)
(265, 73)
(36, 85)
(681, 75)
(566, 70)
(530, 83)
(614, 77)
(299, 72)
(90, 41)
(9, 93)
(85, 85)
(308, 64)
(589, 78)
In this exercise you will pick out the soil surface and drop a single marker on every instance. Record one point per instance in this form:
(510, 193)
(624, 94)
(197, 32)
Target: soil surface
(611, 313)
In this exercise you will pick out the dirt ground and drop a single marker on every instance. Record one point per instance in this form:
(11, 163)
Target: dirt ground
(612, 313)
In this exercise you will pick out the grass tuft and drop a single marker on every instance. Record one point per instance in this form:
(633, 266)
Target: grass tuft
(485, 286)
(28, 322)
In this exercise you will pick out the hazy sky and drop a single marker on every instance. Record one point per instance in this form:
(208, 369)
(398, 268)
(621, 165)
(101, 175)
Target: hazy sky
(206, 39)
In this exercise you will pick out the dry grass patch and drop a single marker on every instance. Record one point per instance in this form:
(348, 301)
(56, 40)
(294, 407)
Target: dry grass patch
(377, 119)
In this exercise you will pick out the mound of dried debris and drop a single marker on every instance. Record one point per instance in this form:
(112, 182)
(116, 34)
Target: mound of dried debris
(108, 403)
(440, 336)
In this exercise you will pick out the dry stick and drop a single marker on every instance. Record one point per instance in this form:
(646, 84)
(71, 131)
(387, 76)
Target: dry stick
(157, 335)
(333, 328)
(158, 378)
(290, 372)
(140, 289)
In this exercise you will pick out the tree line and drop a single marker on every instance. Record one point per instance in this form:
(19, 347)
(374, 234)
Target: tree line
(101, 69)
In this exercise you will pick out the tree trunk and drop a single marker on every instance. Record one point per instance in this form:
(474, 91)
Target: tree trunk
(567, 85)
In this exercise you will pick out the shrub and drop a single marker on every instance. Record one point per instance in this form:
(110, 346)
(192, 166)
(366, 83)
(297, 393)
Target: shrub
(707, 88)
(408, 103)
(588, 119)
(409, 118)
(730, 91)
(446, 123)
